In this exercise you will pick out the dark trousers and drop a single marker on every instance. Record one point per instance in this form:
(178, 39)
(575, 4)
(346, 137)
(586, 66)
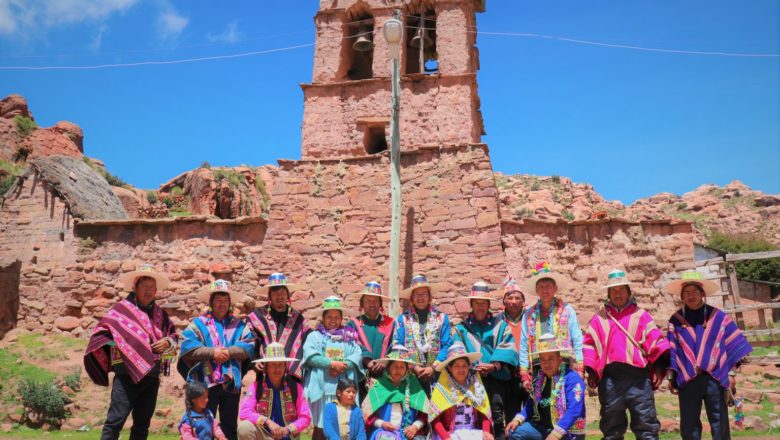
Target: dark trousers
(140, 399)
(497, 391)
(227, 403)
(516, 397)
(536, 431)
(703, 388)
(624, 387)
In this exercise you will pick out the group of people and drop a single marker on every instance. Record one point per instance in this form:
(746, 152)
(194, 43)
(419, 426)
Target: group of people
(519, 374)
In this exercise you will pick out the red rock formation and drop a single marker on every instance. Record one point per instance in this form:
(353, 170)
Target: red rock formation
(12, 106)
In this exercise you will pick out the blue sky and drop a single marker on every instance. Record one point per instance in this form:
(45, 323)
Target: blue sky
(631, 122)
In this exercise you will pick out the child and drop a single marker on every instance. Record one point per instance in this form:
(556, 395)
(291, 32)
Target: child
(198, 423)
(343, 420)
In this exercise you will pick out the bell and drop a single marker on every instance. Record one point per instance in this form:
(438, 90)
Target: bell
(420, 36)
(363, 44)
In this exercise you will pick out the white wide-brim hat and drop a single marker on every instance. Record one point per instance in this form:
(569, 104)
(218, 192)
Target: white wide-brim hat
(420, 281)
(692, 277)
(147, 270)
(616, 278)
(219, 286)
(458, 350)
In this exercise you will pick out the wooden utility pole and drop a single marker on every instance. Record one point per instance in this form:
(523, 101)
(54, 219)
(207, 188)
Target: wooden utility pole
(395, 184)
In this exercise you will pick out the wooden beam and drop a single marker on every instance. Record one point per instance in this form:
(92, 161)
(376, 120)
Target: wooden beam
(762, 306)
(762, 360)
(709, 262)
(734, 289)
(764, 344)
(753, 256)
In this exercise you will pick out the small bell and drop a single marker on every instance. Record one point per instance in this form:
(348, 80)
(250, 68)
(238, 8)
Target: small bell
(363, 43)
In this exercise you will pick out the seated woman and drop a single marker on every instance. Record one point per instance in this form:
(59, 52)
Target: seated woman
(556, 409)
(396, 407)
(274, 407)
(331, 351)
(460, 407)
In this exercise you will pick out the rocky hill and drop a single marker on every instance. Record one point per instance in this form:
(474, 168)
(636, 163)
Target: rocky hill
(732, 208)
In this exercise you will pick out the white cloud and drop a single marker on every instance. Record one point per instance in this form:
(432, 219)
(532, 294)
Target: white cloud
(97, 39)
(23, 18)
(230, 35)
(170, 24)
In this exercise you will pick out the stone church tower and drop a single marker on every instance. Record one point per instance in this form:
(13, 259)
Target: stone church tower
(329, 225)
(346, 106)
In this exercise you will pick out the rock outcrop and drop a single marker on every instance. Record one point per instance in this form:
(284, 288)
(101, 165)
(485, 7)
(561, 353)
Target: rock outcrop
(734, 207)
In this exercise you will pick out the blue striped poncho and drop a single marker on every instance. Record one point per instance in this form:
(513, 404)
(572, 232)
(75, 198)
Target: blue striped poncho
(231, 332)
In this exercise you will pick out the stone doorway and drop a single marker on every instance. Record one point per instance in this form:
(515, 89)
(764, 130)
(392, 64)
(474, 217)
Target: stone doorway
(9, 294)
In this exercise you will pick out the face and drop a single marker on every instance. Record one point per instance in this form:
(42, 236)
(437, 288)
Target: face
(546, 290)
(397, 371)
(220, 304)
(421, 298)
(347, 396)
(279, 297)
(459, 369)
(692, 296)
(275, 371)
(550, 363)
(480, 307)
(513, 303)
(618, 296)
(371, 305)
(199, 403)
(145, 290)
(331, 320)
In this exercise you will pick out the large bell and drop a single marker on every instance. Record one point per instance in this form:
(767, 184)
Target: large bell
(421, 36)
(363, 43)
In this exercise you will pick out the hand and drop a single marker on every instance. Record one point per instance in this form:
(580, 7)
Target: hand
(387, 426)
(527, 385)
(593, 381)
(510, 428)
(275, 430)
(221, 355)
(337, 368)
(485, 369)
(410, 432)
(673, 389)
(552, 436)
(487, 436)
(376, 368)
(656, 378)
(425, 373)
(160, 346)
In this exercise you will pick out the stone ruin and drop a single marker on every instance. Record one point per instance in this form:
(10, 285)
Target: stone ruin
(328, 225)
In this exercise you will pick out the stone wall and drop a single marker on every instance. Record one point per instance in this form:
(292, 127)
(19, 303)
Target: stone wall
(650, 253)
(329, 225)
(436, 110)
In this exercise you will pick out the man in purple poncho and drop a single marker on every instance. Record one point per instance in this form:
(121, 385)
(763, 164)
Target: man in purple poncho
(706, 348)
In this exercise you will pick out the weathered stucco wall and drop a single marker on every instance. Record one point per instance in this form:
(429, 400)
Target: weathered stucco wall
(650, 253)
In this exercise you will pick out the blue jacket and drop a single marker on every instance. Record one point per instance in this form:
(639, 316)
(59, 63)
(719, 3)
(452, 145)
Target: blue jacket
(330, 423)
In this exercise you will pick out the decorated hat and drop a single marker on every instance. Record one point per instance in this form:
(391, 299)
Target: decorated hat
(219, 286)
(692, 277)
(398, 353)
(145, 270)
(373, 288)
(333, 302)
(274, 352)
(418, 281)
(220, 268)
(548, 343)
(480, 290)
(543, 270)
(617, 278)
(277, 279)
(510, 286)
(458, 350)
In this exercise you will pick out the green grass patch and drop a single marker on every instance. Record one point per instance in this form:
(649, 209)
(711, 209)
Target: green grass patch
(179, 213)
(55, 347)
(24, 125)
(14, 370)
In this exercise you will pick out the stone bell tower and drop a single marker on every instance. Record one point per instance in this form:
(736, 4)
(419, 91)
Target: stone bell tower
(329, 224)
(347, 104)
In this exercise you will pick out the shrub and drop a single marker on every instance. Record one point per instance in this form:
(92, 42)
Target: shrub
(234, 178)
(24, 125)
(73, 380)
(205, 164)
(261, 188)
(535, 186)
(87, 245)
(110, 178)
(45, 400)
(151, 197)
(758, 270)
(556, 179)
(167, 201)
(568, 216)
(8, 173)
(176, 191)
